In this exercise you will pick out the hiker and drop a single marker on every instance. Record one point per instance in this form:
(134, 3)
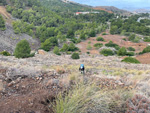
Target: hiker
(81, 68)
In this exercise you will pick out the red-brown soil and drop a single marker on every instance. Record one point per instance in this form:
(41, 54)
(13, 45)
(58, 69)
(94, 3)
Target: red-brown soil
(117, 39)
(144, 59)
(98, 8)
(29, 95)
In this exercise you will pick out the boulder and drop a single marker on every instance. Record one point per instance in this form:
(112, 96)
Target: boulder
(42, 52)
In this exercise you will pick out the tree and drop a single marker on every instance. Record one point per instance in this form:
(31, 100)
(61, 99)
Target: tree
(22, 49)
(65, 48)
(122, 51)
(70, 34)
(92, 33)
(82, 36)
(113, 30)
(72, 47)
(49, 43)
(132, 37)
(56, 50)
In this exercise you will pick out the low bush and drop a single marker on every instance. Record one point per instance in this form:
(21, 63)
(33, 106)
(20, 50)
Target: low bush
(88, 52)
(100, 39)
(75, 56)
(127, 34)
(98, 45)
(5, 53)
(104, 33)
(56, 50)
(130, 54)
(131, 49)
(107, 52)
(111, 44)
(134, 38)
(130, 60)
(124, 39)
(72, 47)
(122, 51)
(146, 39)
(145, 50)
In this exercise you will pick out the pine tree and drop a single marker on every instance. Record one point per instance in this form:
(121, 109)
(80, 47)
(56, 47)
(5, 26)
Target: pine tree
(22, 49)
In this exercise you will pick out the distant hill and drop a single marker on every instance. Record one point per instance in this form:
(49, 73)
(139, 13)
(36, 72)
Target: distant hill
(113, 9)
(138, 10)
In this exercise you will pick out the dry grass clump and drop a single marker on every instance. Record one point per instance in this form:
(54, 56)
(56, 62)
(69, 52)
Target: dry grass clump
(77, 100)
(60, 70)
(138, 104)
(84, 98)
(114, 101)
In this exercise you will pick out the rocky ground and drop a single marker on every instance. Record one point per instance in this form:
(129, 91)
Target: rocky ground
(31, 85)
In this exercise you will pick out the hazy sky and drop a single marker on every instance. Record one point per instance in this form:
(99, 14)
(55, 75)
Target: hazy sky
(117, 3)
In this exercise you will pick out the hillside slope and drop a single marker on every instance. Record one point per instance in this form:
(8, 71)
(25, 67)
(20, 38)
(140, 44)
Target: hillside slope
(8, 39)
(60, 6)
(31, 85)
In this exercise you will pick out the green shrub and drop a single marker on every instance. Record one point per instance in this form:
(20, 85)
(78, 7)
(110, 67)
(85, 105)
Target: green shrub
(130, 54)
(132, 37)
(146, 39)
(5, 53)
(130, 60)
(111, 44)
(107, 52)
(65, 48)
(100, 39)
(23, 49)
(124, 39)
(88, 52)
(136, 40)
(72, 47)
(131, 49)
(49, 43)
(82, 36)
(75, 56)
(146, 50)
(92, 33)
(98, 45)
(122, 51)
(68, 53)
(56, 50)
(104, 33)
(127, 34)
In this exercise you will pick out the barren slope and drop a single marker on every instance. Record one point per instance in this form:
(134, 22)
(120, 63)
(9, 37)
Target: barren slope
(30, 85)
